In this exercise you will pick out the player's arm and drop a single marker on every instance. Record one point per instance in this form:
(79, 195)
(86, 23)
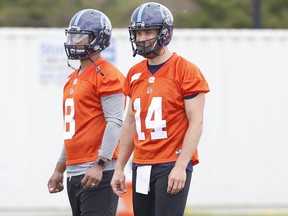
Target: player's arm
(113, 109)
(55, 183)
(194, 109)
(126, 148)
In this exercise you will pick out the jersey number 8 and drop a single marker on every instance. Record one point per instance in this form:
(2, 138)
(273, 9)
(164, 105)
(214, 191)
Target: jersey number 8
(69, 121)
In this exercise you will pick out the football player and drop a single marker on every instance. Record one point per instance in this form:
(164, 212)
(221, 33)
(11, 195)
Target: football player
(164, 120)
(93, 105)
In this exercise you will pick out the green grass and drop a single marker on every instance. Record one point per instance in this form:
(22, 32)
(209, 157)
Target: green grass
(237, 212)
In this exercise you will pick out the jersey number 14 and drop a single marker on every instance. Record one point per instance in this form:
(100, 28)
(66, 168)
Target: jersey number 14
(153, 119)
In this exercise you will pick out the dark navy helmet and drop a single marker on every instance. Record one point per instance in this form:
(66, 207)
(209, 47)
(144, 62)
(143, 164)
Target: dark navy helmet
(151, 15)
(89, 32)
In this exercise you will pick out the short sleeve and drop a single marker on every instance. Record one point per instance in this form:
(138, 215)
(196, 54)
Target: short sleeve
(111, 83)
(193, 81)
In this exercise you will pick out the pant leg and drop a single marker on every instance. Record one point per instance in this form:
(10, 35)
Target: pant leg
(142, 204)
(73, 190)
(158, 202)
(166, 204)
(99, 201)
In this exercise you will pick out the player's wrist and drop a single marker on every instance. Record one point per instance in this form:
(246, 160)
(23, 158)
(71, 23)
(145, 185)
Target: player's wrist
(101, 162)
(181, 165)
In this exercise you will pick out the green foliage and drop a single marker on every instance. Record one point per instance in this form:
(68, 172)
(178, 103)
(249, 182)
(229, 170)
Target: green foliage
(234, 14)
(275, 14)
(187, 13)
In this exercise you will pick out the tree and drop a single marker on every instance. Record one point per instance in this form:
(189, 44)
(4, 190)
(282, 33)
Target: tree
(187, 13)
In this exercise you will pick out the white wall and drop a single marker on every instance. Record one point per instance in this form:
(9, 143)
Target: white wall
(243, 150)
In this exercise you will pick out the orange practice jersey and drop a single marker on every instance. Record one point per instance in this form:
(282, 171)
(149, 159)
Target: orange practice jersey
(158, 107)
(84, 121)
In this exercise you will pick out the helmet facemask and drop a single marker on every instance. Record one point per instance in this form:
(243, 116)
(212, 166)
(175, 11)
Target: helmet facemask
(78, 44)
(89, 32)
(143, 47)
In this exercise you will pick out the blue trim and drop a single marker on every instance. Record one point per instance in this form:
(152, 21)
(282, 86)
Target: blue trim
(141, 12)
(79, 15)
(167, 164)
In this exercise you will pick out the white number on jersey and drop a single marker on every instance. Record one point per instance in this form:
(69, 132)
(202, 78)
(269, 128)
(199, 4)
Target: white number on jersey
(156, 123)
(69, 119)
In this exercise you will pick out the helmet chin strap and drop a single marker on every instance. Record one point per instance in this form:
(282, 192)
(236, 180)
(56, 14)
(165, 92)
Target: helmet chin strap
(154, 51)
(69, 65)
(96, 66)
(88, 57)
(158, 53)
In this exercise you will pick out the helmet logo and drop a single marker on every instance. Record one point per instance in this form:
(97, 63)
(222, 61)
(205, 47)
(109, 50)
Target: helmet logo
(168, 19)
(106, 24)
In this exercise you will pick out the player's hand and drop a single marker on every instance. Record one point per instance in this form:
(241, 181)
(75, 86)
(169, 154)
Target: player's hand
(118, 183)
(55, 183)
(92, 177)
(176, 180)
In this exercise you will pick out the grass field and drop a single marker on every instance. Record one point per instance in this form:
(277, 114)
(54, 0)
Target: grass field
(238, 212)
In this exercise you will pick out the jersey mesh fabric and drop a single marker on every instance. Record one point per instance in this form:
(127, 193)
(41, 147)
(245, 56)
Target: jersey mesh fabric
(158, 106)
(83, 114)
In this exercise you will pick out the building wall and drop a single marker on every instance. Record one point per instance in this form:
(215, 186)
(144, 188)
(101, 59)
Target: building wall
(243, 149)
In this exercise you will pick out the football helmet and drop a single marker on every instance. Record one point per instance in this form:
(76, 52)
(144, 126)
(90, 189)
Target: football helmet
(151, 15)
(89, 32)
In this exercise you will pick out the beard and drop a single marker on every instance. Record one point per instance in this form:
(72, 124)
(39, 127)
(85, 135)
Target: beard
(148, 48)
(154, 53)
